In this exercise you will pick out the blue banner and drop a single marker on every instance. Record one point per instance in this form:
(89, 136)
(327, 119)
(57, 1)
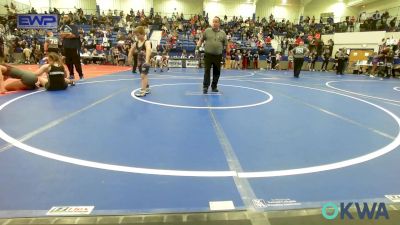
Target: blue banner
(37, 21)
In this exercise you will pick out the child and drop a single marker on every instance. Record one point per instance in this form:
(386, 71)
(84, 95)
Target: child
(164, 63)
(233, 59)
(313, 59)
(158, 62)
(56, 74)
(290, 59)
(143, 49)
(268, 60)
(255, 60)
(238, 59)
(278, 59)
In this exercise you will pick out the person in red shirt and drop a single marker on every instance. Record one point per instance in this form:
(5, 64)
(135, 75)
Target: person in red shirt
(268, 41)
(310, 38)
(232, 45)
(298, 40)
(173, 40)
(244, 62)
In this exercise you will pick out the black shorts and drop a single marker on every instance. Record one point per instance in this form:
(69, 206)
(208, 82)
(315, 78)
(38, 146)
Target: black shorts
(142, 70)
(57, 87)
(55, 50)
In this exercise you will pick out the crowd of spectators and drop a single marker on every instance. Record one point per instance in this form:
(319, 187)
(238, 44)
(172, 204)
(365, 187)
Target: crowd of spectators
(106, 37)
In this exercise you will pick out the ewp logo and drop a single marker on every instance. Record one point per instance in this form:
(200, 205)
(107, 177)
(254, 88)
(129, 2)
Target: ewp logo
(37, 21)
(362, 212)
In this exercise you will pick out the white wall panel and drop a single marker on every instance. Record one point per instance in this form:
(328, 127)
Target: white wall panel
(358, 40)
(340, 9)
(291, 9)
(264, 8)
(105, 5)
(127, 5)
(22, 5)
(393, 7)
(3, 9)
(88, 6)
(229, 8)
(187, 7)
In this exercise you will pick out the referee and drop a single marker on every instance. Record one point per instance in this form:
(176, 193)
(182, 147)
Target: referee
(298, 54)
(215, 40)
(72, 44)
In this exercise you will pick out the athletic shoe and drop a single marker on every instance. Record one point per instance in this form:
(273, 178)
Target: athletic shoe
(147, 91)
(205, 90)
(72, 83)
(140, 93)
(214, 90)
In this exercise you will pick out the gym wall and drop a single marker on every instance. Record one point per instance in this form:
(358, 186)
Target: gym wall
(340, 9)
(291, 10)
(229, 8)
(187, 7)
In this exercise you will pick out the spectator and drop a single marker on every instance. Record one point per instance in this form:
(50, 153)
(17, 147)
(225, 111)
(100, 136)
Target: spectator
(376, 17)
(290, 60)
(313, 58)
(27, 54)
(325, 57)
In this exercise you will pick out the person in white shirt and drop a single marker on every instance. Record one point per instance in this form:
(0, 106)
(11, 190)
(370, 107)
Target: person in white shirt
(158, 62)
(86, 56)
(27, 54)
(165, 58)
(183, 55)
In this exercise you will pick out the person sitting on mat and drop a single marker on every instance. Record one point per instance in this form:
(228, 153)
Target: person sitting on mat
(56, 74)
(22, 79)
(27, 80)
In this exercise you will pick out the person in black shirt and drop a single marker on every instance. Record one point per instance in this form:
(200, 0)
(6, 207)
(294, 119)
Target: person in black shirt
(325, 57)
(56, 74)
(2, 41)
(143, 49)
(72, 45)
(273, 59)
(245, 58)
(255, 60)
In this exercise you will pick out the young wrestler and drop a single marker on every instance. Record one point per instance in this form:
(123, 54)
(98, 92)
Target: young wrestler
(143, 49)
(56, 74)
(22, 80)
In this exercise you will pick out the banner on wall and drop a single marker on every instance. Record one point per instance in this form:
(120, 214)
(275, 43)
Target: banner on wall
(192, 63)
(175, 63)
(37, 21)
